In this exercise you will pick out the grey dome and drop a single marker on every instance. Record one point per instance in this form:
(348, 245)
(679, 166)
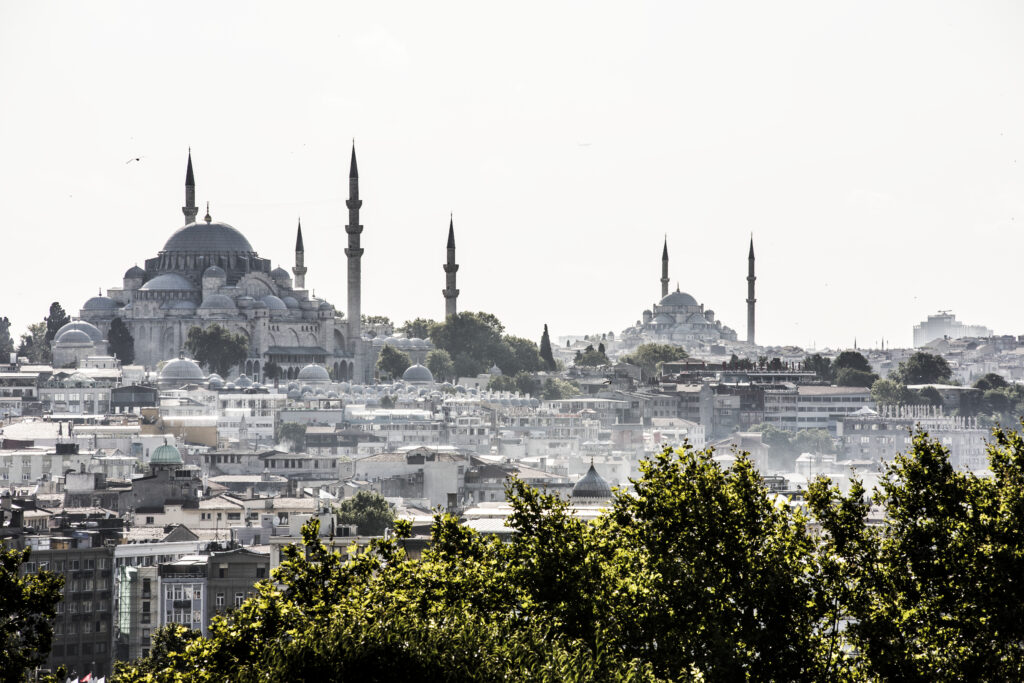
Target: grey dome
(134, 272)
(217, 301)
(166, 455)
(245, 302)
(100, 303)
(678, 298)
(280, 273)
(290, 302)
(208, 238)
(243, 381)
(314, 373)
(293, 394)
(664, 319)
(182, 369)
(293, 385)
(168, 281)
(324, 306)
(418, 373)
(90, 329)
(214, 271)
(75, 337)
(215, 382)
(592, 485)
(273, 303)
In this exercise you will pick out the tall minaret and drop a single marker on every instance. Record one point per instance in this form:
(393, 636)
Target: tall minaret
(353, 251)
(190, 209)
(300, 260)
(750, 293)
(450, 268)
(664, 269)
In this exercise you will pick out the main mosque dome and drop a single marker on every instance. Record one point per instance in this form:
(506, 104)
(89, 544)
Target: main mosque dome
(208, 238)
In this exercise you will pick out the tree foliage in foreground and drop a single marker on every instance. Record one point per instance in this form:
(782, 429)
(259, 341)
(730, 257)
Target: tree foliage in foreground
(698, 573)
(369, 511)
(28, 605)
(217, 348)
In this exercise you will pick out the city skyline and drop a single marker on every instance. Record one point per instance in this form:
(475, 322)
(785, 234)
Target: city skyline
(870, 150)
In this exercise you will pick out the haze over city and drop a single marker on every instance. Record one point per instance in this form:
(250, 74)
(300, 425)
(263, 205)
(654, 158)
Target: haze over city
(874, 151)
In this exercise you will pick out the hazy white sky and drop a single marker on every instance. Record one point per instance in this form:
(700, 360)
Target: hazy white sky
(875, 150)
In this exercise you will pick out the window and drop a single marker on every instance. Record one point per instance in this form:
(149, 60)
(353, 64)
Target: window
(220, 600)
(261, 572)
(149, 520)
(239, 599)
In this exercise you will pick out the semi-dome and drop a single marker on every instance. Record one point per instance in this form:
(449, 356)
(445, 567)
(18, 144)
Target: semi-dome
(314, 373)
(592, 486)
(678, 298)
(208, 238)
(75, 337)
(134, 272)
(184, 369)
(100, 303)
(215, 271)
(418, 374)
(166, 455)
(218, 302)
(90, 329)
(273, 303)
(664, 319)
(168, 281)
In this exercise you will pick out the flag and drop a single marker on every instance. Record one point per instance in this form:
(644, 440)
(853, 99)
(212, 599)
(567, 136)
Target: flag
(86, 678)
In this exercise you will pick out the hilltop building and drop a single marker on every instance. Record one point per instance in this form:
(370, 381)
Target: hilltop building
(944, 325)
(208, 272)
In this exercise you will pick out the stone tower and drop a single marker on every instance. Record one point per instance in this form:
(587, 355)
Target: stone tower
(190, 209)
(451, 294)
(354, 253)
(664, 269)
(300, 260)
(750, 293)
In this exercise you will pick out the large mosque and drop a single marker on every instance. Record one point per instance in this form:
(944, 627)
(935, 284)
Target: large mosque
(679, 319)
(208, 272)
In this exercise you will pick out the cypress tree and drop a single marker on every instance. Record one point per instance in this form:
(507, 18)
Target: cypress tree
(545, 350)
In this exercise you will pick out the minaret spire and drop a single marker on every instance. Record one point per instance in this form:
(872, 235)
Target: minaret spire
(750, 292)
(190, 209)
(300, 260)
(450, 268)
(664, 269)
(354, 252)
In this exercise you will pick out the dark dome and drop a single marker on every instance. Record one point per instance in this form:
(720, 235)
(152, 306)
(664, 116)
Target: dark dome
(208, 238)
(90, 329)
(100, 303)
(592, 485)
(134, 272)
(417, 373)
(678, 298)
(214, 271)
(280, 273)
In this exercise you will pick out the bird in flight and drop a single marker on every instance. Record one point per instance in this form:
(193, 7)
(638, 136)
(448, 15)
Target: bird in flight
(133, 159)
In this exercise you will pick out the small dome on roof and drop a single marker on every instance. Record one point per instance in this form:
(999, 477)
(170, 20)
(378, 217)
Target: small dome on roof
(245, 302)
(184, 369)
(418, 374)
(243, 382)
(168, 282)
(90, 329)
(292, 385)
(294, 394)
(100, 303)
(678, 298)
(280, 273)
(74, 337)
(214, 271)
(495, 370)
(290, 302)
(314, 373)
(134, 272)
(325, 306)
(166, 455)
(332, 394)
(215, 382)
(592, 487)
(273, 303)
(217, 302)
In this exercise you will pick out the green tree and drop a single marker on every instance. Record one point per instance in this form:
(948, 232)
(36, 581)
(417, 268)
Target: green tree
(33, 344)
(420, 328)
(851, 377)
(392, 362)
(591, 357)
(651, 357)
(272, 370)
(28, 606)
(121, 342)
(294, 434)
(556, 389)
(890, 392)
(6, 342)
(501, 383)
(475, 341)
(923, 368)
(57, 319)
(854, 360)
(375, 320)
(369, 511)
(820, 366)
(813, 441)
(546, 353)
(991, 381)
(440, 364)
(930, 396)
(387, 402)
(217, 348)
